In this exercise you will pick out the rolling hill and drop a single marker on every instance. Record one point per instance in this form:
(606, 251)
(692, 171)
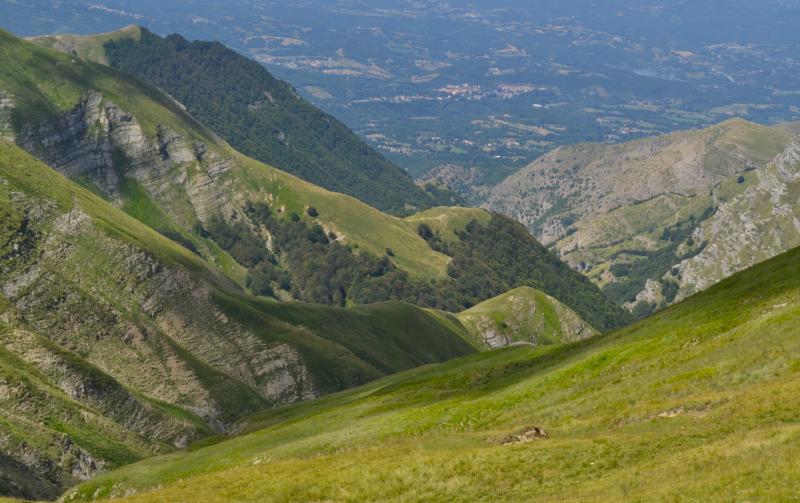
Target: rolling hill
(697, 402)
(524, 316)
(271, 232)
(655, 220)
(259, 115)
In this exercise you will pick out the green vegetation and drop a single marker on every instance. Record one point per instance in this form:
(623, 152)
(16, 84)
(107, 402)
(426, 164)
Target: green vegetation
(449, 222)
(89, 48)
(44, 83)
(338, 257)
(347, 347)
(91, 369)
(492, 259)
(627, 214)
(633, 267)
(524, 315)
(264, 117)
(313, 266)
(698, 402)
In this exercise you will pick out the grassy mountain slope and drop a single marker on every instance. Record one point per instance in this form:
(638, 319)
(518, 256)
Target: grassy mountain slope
(524, 315)
(44, 83)
(449, 221)
(267, 230)
(90, 48)
(698, 402)
(118, 343)
(628, 214)
(259, 115)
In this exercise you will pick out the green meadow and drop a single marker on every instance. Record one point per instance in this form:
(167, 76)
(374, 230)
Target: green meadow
(699, 402)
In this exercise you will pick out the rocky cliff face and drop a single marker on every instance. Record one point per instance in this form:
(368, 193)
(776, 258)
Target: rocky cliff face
(756, 225)
(99, 142)
(6, 116)
(654, 220)
(116, 339)
(124, 309)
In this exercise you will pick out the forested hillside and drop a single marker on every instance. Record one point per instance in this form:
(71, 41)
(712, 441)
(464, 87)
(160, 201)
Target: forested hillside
(265, 118)
(271, 232)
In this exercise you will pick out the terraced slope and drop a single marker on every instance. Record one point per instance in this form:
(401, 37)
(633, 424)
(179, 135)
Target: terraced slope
(700, 402)
(272, 233)
(655, 220)
(117, 343)
(259, 115)
(524, 315)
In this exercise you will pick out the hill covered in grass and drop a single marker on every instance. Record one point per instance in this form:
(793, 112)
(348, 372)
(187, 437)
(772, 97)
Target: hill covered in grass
(259, 115)
(149, 277)
(117, 343)
(698, 402)
(524, 315)
(653, 221)
(272, 233)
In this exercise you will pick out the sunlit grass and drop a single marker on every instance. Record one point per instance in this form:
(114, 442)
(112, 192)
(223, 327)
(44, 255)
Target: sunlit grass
(699, 402)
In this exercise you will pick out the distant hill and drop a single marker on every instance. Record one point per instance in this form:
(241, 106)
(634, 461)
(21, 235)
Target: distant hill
(655, 220)
(259, 115)
(524, 315)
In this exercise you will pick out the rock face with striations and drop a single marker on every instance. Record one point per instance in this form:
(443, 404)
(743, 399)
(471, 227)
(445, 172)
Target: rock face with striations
(654, 220)
(99, 142)
(753, 226)
(105, 329)
(117, 343)
(6, 115)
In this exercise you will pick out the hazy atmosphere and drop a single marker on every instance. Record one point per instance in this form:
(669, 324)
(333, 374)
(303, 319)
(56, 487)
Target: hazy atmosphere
(399, 250)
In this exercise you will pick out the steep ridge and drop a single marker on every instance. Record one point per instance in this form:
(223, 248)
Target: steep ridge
(526, 316)
(256, 113)
(708, 386)
(269, 231)
(747, 228)
(646, 219)
(117, 343)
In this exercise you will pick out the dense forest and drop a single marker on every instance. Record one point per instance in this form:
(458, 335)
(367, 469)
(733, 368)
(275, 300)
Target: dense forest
(308, 264)
(265, 118)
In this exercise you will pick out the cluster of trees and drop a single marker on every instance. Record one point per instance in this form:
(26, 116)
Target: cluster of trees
(266, 118)
(487, 260)
(632, 276)
(494, 258)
